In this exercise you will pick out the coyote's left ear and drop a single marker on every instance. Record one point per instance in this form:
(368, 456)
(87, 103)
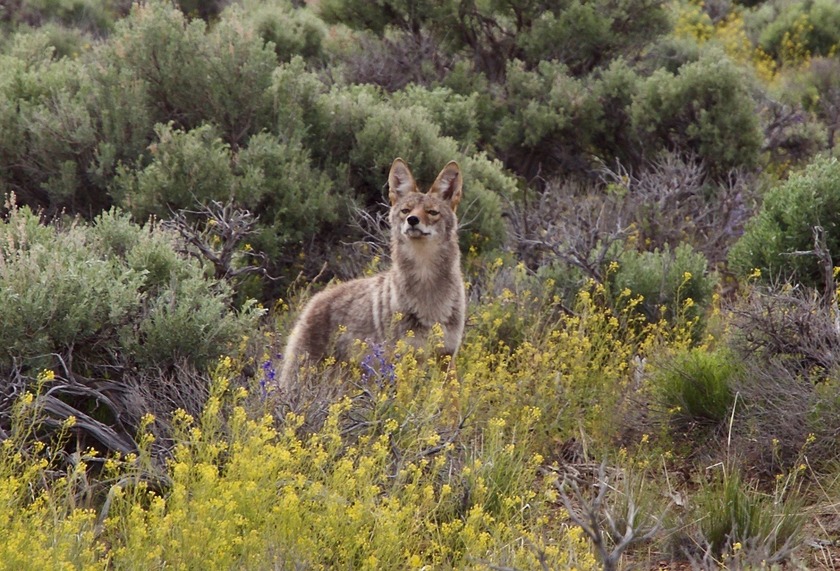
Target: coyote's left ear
(448, 184)
(400, 181)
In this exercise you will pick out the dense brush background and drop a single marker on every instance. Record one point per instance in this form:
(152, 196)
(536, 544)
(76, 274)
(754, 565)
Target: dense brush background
(651, 368)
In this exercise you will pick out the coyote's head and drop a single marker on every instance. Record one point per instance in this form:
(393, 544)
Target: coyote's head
(419, 217)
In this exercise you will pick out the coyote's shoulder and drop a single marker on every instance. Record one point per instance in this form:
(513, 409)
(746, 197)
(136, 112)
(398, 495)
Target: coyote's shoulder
(422, 288)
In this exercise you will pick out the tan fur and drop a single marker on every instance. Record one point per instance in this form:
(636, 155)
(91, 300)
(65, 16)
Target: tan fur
(424, 285)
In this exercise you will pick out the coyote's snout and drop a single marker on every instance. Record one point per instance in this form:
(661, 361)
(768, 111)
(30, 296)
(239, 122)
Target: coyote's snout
(424, 286)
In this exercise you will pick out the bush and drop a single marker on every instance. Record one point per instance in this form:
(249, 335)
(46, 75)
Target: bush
(802, 30)
(395, 61)
(189, 75)
(90, 16)
(672, 200)
(786, 339)
(196, 167)
(704, 109)
(295, 200)
(614, 89)
(582, 35)
(588, 35)
(695, 387)
(821, 94)
(548, 118)
(48, 137)
(292, 31)
(187, 168)
(780, 240)
(738, 520)
(107, 297)
(673, 284)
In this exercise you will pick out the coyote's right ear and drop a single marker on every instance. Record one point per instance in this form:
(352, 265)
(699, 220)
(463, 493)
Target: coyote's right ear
(400, 181)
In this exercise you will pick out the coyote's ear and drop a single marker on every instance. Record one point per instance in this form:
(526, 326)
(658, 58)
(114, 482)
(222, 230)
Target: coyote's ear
(400, 181)
(448, 184)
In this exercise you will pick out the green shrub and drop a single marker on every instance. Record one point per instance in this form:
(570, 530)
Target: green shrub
(785, 225)
(737, 519)
(674, 284)
(548, 118)
(188, 168)
(48, 137)
(65, 41)
(586, 35)
(196, 168)
(455, 114)
(91, 16)
(704, 109)
(695, 386)
(292, 31)
(670, 53)
(190, 75)
(108, 295)
(803, 29)
(295, 200)
(582, 35)
(157, 47)
(614, 89)
(294, 91)
(820, 88)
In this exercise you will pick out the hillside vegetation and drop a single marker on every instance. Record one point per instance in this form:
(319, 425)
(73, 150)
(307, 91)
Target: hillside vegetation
(651, 365)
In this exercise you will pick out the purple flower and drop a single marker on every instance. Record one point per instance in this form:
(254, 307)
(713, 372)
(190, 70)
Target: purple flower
(269, 376)
(377, 367)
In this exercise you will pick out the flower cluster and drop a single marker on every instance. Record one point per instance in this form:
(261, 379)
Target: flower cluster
(377, 367)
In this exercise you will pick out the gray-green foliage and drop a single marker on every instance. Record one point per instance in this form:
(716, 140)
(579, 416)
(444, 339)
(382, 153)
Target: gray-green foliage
(815, 25)
(548, 117)
(455, 114)
(292, 31)
(580, 34)
(586, 34)
(90, 16)
(784, 226)
(107, 296)
(190, 75)
(195, 167)
(48, 136)
(187, 168)
(666, 279)
(705, 109)
(68, 123)
(294, 199)
(553, 121)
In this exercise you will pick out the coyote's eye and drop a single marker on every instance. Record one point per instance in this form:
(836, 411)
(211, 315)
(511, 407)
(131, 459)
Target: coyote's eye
(432, 212)
(405, 210)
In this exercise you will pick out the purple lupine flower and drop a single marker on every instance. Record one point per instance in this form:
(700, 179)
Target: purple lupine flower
(377, 367)
(269, 377)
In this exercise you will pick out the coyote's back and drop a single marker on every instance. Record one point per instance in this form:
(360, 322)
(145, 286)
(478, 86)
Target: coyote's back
(424, 286)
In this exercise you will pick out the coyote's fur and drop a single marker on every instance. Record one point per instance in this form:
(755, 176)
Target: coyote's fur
(424, 286)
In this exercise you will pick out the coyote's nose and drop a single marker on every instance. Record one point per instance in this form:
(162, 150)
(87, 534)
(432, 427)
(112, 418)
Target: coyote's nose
(413, 220)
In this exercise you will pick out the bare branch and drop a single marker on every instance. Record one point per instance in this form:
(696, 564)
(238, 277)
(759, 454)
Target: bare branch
(612, 526)
(219, 237)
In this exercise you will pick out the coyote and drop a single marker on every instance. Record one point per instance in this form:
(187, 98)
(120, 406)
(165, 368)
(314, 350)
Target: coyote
(424, 286)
